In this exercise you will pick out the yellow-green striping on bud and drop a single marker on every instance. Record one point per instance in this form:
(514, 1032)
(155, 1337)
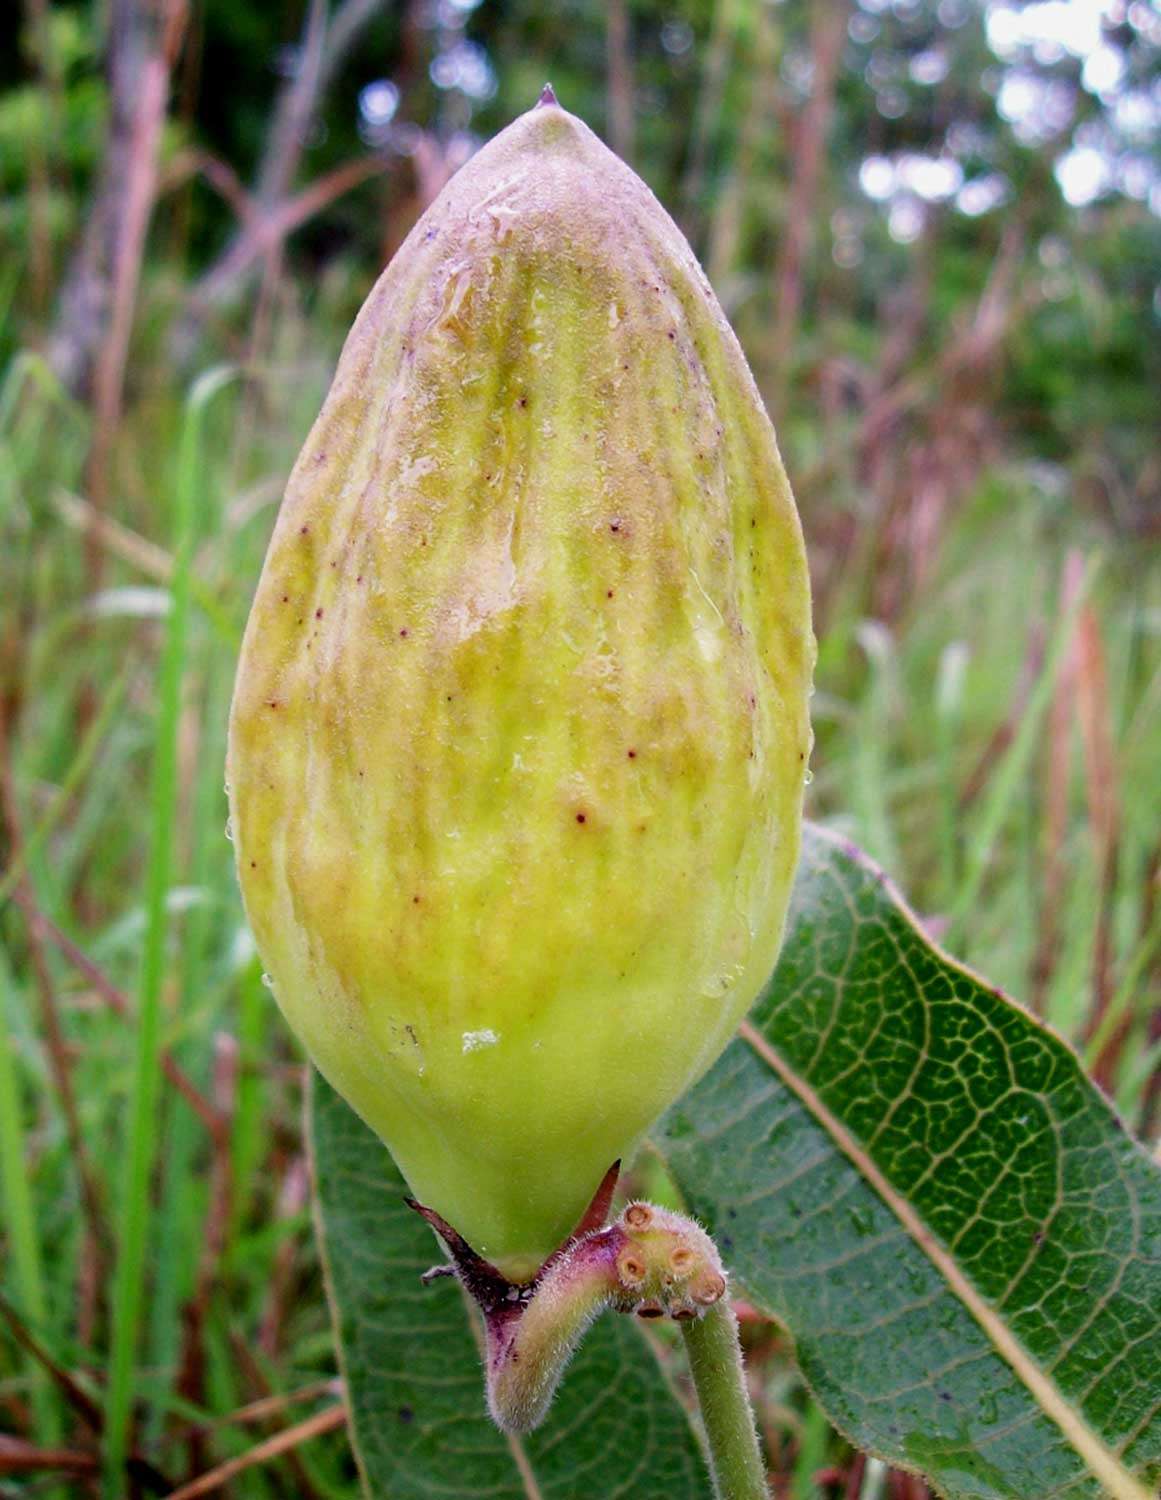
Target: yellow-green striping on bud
(520, 726)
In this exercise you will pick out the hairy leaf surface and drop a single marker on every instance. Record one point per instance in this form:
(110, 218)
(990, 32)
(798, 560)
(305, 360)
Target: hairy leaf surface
(918, 1181)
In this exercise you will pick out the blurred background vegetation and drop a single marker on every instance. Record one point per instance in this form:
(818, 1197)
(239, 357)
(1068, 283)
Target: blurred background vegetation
(937, 230)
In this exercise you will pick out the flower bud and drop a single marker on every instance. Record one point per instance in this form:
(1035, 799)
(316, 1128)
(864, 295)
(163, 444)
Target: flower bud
(520, 726)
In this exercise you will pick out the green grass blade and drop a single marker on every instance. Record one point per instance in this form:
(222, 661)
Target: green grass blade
(1006, 780)
(1122, 1003)
(22, 1237)
(134, 1204)
(949, 696)
(183, 1200)
(74, 778)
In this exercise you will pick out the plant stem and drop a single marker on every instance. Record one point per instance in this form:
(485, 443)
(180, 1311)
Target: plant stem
(715, 1361)
(650, 1261)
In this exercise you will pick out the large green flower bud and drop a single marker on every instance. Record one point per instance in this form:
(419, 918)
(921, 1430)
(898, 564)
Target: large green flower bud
(520, 726)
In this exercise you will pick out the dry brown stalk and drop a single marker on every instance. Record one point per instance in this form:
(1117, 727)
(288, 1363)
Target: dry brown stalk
(1005, 732)
(265, 231)
(253, 1373)
(292, 1199)
(95, 307)
(1152, 1101)
(20, 1457)
(206, 1484)
(1059, 751)
(827, 34)
(902, 1486)
(728, 18)
(145, 103)
(118, 1002)
(142, 1473)
(619, 62)
(218, 174)
(56, 1045)
(191, 1377)
(272, 212)
(74, 1394)
(925, 432)
(726, 223)
(39, 177)
(855, 1478)
(266, 1406)
(979, 343)
(138, 551)
(1096, 737)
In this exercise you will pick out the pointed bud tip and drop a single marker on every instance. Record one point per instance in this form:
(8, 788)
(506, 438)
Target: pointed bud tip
(547, 96)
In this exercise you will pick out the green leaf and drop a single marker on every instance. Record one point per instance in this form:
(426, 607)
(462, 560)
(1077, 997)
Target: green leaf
(411, 1360)
(915, 1177)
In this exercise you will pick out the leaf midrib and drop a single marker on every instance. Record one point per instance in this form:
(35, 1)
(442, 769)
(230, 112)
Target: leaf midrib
(1101, 1461)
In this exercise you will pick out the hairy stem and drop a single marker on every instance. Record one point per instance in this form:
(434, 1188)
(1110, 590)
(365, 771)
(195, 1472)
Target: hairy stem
(528, 1352)
(715, 1361)
(650, 1262)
